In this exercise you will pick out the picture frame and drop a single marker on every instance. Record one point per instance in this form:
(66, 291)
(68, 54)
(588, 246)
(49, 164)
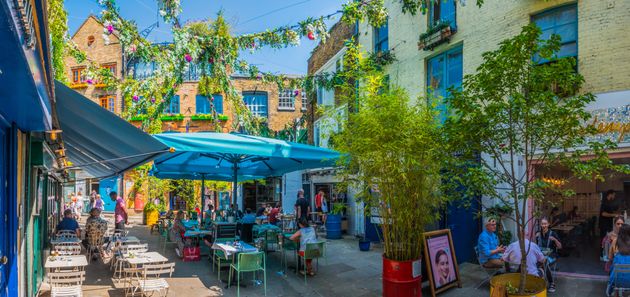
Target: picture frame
(441, 262)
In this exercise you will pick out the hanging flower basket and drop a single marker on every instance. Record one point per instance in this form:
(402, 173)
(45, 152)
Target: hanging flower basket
(438, 34)
(173, 117)
(78, 85)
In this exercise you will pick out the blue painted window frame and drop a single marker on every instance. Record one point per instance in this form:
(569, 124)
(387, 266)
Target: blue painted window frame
(447, 12)
(202, 104)
(451, 75)
(173, 107)
(247, 99)
(381, 38)
(556, 25)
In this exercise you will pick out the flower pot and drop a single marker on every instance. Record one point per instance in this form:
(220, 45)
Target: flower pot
(333, 226)
(138, 204)
(364, 245)
(535, 286)
(151, 217)
(402, 278)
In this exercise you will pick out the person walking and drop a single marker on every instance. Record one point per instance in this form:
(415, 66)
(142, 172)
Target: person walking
(302, 207)
(98, 203)
(120, 212)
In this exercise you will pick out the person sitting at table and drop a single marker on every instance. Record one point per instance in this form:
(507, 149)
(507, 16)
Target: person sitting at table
(69, 223)
(610, 241)
(306, 234)
(208, 216)
(622, 245)
(178, 224)
(249, 217)
(260, 211)
(273, 215)
(554, 215)
(548, 240)
(489, 248)
(534, 256)
(268, 209)
(95, 225)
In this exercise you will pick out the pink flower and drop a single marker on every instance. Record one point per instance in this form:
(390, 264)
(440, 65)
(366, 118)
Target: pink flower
(296, 93)
(310, 35)
(152, 100)
(258, 76)
(211, 60)
(188, 58)
(110, 29)
(133, 48)
(211, 98)
(89, 81)
(135, 98)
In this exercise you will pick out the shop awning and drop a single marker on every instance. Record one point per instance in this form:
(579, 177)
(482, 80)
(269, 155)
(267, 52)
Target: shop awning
(98, 141)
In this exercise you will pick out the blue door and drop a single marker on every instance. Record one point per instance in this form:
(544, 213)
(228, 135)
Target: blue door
(106, 186)
(465, 228)
(8, 223)
(4, 228)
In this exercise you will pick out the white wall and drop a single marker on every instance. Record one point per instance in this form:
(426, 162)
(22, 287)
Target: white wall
(291, 182)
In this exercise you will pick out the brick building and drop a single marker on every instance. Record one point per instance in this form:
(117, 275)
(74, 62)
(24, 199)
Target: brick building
(279, 107)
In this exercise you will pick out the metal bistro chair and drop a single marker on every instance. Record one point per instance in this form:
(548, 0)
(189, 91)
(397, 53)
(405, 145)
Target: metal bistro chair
(271, 237)
(66, 283)
(95, 243)
(621, 279)
(124, 250)
(68, 249)
(290, 246)
(152, 281)
(66, 234)
(248, 262)
(313, 251)
(490, 272)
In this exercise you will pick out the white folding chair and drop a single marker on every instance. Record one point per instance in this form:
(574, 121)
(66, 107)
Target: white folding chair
(66, 283)
(152, 281)
(67, 249)
(124, 250)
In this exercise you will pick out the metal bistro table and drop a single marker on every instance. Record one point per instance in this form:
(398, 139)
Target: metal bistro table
(144, 258)
(65, 262)
(230, 250)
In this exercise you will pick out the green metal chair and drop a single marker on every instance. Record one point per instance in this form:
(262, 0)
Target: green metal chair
(165, 238)
(288, 245)
(313, 251)
(271, 237)
(248, 262)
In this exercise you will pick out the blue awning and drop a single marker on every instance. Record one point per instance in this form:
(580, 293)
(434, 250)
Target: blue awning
(98, 141)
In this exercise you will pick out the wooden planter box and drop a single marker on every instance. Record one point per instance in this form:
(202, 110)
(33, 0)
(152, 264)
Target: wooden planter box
(436, 39)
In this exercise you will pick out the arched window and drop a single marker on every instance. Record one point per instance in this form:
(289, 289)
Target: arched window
(90, 40)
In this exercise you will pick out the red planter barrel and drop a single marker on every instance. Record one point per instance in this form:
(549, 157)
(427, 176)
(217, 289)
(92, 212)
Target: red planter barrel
(138, 204)
(399, 280)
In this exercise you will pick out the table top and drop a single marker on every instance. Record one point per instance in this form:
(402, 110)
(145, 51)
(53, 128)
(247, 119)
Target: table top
(65, 240)
(223, 223)
(145, 258)
(229, 249)
(565, 228)
(197, 232)
(190, 223)
(128, 239)
(66, 261)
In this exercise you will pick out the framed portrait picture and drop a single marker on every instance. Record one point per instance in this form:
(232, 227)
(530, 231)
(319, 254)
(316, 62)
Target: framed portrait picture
(439, 256)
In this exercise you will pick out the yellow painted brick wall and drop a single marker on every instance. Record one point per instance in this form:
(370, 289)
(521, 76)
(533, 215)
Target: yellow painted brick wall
(603, 39)
(98, 52)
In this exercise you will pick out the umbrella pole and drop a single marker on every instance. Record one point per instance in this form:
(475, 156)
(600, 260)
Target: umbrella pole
(203, 191)
(234, 183)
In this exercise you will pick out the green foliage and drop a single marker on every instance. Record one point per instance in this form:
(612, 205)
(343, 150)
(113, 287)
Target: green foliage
(172, 117)
(58, 24)
(392, 155)
(186, 190)
(337, 208)
(514, 107)
(413, 6)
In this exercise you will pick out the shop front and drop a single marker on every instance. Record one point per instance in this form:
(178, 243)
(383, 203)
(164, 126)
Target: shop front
(259, 193)
(576, 218)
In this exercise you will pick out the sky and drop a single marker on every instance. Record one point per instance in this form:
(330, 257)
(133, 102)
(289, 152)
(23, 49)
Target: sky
(245, 16)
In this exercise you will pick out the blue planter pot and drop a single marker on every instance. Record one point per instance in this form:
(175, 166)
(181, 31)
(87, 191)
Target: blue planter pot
(333, 226)
(364, 245)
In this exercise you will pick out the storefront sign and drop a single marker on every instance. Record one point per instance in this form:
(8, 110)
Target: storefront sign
(612, 123)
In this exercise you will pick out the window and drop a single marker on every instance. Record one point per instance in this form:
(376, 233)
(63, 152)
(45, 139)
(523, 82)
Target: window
(173, 106)
(78, 75)
(143, 70)
(286, 100)
(324, 96)
(111, 67)
(109, 102)
(381, 38)
(444, 71)
(304, 100)
(90, 40)
(256, 101)
(442, 11)
(563, 22)
(204, 105)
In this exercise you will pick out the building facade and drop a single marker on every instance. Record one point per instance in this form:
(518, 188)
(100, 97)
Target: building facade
(456, 33)
(188, 110)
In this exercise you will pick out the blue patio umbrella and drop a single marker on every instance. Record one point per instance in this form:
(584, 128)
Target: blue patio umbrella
(235, 157)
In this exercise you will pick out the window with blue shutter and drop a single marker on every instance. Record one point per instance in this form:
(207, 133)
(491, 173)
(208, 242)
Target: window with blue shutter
(204, 105)
(441, 11)
(563, 22)
(444, 71)
(256, 102)
(173, 106)
(381, 38)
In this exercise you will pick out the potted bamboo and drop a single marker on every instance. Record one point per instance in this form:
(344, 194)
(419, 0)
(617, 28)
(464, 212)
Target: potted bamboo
(522, 114)
(333, 221)
(392, 157)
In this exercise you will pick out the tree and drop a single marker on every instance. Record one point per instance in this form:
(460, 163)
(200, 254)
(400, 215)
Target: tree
(522, 103)
(393, 158)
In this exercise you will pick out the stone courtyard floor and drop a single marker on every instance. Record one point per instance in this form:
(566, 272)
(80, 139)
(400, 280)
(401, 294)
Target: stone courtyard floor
(345, 272)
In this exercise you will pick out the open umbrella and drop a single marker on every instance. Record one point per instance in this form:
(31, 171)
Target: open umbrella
(235, 157)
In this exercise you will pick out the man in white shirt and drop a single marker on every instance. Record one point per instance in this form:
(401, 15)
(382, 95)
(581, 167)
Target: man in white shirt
(513, 255)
